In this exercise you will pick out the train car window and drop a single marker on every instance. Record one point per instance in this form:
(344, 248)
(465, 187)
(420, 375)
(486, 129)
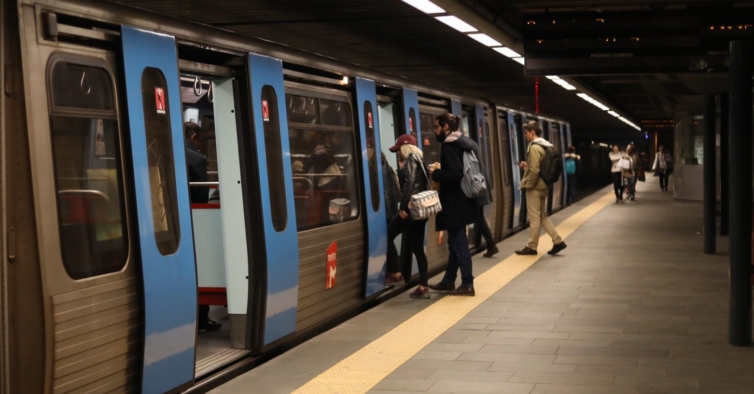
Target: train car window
(488, 152)
(302, 109)
(374, 185)
(274, 153)
(160, 160)
(325, 181)
(430, 146)
(503, 128)
(412, 122)
(335, 113)
(87, 167)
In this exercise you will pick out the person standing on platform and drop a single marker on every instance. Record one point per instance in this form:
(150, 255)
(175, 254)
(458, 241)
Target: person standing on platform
(196, 164)
(392, 188)
(458, 210)
(662, 167)
(536, 192)
(616, 173)
(630, 174)
(482, 201)
(572, 165)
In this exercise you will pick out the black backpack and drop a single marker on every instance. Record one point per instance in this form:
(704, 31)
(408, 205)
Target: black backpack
(551, 167)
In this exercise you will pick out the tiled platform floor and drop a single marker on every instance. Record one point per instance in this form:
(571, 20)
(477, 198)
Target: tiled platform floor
(632, 306)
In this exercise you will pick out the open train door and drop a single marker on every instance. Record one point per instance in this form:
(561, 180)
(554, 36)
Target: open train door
(163, 211)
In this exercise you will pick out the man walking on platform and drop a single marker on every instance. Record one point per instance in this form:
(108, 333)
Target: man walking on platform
(537, 191)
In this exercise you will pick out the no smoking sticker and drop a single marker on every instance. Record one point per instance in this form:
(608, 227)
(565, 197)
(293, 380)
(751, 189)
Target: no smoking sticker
(265, 111)
(159, 99)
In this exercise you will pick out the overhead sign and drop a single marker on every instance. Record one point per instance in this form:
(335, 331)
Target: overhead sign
(692, 41)
(657, 124)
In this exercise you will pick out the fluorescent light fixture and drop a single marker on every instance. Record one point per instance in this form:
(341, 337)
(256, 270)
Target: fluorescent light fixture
(553, 77)
(593, 101)
(617, 115)
(519, 60)
(507, 52)
(456, 23)
(564, 84)
(628, 122)
(485, 39)
(425, 6)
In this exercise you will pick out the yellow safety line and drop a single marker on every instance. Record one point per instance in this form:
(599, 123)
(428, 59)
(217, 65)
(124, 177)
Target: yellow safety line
(362, 370)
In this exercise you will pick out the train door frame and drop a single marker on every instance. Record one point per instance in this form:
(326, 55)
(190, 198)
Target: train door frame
(519, 120)
(411, 118)
(505, 161)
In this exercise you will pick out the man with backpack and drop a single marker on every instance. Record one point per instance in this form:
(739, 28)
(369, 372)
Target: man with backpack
(544, 167)
(458, 210)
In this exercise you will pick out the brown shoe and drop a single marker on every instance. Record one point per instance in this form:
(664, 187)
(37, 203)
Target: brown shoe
(467, 291)
(557, 248)
(393, 278)
(419, 293)
(526, 251)
(443, 286)
(492, 251)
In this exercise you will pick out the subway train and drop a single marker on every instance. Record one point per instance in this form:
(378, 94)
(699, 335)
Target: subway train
(106, 256)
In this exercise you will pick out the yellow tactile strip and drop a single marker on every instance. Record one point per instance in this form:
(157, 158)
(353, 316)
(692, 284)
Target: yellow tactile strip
(361, 371)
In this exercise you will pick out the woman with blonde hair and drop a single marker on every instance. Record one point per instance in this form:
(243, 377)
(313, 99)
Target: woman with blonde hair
(413, 180)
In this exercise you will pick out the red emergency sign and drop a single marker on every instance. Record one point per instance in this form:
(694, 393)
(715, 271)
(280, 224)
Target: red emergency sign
(332, 265)
(426, 142)
(410, 124)
(369, 119)
(265, 111)
(159, 99)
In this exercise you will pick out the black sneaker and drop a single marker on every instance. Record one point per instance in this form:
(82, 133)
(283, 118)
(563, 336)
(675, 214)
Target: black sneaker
(492, 251)
(443, 286)
(210, 325)
(467, 291)
(526, 251)
(557, 248)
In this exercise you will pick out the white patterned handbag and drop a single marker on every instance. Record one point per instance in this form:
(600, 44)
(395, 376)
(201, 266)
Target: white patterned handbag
(425, 204)
(340, 210)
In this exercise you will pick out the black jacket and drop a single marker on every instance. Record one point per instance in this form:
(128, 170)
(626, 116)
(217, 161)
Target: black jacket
(414, 180)
(486, 198)
(457, 210)
(392, 194)
(196, 163)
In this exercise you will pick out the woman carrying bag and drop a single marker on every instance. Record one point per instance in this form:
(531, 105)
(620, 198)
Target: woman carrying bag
(414, 181)
(616, 172)
(629, 174)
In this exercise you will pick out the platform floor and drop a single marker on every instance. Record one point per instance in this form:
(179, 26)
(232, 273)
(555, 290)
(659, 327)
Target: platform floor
(632, 306)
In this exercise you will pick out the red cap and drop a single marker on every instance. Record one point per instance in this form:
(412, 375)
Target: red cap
(403, 140)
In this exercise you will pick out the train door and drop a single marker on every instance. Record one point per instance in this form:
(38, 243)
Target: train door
(566, 133)
(510, 202)
(411, 125)
(519, 142)
(478, 131)
(87, 254)
(556, 138)
(212, 116)
(162, 209)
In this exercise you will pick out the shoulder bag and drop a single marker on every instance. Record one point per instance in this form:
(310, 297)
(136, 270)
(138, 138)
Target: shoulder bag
(424, 204)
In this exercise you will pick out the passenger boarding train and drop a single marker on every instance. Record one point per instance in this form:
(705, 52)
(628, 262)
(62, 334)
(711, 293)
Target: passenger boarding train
(106, 258)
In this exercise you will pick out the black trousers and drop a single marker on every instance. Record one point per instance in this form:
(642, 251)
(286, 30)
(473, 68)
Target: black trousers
(617, 185)
(203, 315)
(571, 190)
(663, 181)
(484, 229)
(415, 230)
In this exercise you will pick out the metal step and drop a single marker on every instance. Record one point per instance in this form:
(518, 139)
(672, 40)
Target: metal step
(210, 364)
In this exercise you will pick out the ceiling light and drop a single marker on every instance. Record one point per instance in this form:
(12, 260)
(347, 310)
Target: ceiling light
(519, 60)
(425, 6)
(553, 77)
(628, 122)
(564, 84)
(617, 115)
(456, 23)
(485, 39)
(593, 101)
(507, 52)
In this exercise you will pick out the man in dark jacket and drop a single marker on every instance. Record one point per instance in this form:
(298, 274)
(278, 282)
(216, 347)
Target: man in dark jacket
(482, 201)
(458, 210)
(196, 164)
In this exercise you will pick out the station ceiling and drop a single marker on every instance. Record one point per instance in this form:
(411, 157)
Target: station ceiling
(391, 36)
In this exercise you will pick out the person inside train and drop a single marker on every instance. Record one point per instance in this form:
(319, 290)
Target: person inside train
(325, 171)
(458, 210)
(415, 180)
(536, 192)
(196, 163)
(572, 164)
(616, 173)
(392, 190)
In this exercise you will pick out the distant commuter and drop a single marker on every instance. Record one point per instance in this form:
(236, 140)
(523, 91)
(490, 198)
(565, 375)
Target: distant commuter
(458, 210)
(663, 167)
(616, 173)
(482, 201)
(536, 192)
(415, 180)
(630, 174)
(573, 161)
(196, 164)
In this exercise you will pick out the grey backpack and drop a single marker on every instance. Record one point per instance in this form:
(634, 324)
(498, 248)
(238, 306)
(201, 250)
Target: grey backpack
(473, 183)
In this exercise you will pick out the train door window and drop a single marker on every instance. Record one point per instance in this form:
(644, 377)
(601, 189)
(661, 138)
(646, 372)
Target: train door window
(159, 136)
(323, 152)
(503, 128)
(374, 185)
(274, 153)
(488, 152)
(87, 165)
(430, 146)
(412, 122)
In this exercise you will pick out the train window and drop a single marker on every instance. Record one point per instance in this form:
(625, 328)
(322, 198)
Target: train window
(430, 146)
(335, 113)
(374, 185)
(485, 137)
(412, 122)
(503, 133)
(325, 181)
(87, 167)
(274, 153)
(159, 153)
(302, 109)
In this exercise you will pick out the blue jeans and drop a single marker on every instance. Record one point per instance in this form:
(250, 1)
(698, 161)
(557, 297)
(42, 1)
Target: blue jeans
(460, 257)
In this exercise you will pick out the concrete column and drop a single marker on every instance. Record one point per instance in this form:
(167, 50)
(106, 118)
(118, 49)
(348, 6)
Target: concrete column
(724, 133)
(710, 181)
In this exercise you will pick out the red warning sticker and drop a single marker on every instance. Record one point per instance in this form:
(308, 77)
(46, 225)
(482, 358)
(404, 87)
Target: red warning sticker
(481, 134)
(410, 124)
(332, 265)
(369, 119)
(426, 142)
(265, 111)
(159, 99)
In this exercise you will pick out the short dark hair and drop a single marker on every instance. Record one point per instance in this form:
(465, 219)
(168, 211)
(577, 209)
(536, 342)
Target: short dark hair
(191, 128)
(534, 126)
(449, 119)
(571, 149)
